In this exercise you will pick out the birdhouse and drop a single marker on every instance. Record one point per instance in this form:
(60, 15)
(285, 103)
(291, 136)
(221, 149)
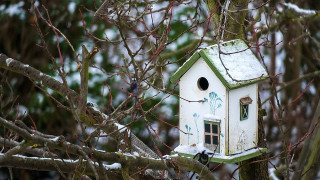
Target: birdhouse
(219, 102)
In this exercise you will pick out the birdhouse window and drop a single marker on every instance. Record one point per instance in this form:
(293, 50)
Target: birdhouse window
(211, 135)
(244, 107)
(203, 84)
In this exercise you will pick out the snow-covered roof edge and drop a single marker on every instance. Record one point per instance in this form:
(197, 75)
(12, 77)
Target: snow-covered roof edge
(223, 78)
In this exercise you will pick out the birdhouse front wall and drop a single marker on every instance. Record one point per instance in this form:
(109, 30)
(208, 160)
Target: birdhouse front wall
(200, 83)
(243, 125)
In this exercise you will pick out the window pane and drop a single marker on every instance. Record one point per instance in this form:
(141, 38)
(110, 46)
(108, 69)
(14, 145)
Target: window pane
(207, 128)
(215, 140)
(215, 128)
(244, 111)
(207, 139)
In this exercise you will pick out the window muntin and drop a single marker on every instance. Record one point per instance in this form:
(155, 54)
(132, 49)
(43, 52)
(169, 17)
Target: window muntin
(211, 135)
(244, 111)
(244, 107)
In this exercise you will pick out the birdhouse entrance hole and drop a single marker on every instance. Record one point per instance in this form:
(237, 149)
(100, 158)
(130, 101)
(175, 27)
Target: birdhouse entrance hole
(203, 83)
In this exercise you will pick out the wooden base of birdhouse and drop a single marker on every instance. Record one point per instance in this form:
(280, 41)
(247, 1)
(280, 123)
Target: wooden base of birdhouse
(231, 159)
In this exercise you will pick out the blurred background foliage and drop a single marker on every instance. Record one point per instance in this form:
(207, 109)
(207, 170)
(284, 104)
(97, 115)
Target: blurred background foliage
(20, 39)
(296, 54)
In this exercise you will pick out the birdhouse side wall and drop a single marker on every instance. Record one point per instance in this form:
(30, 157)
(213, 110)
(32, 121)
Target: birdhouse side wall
(194, 114)
(243, 132)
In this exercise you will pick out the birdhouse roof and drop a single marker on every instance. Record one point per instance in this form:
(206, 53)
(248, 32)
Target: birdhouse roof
(232, 62)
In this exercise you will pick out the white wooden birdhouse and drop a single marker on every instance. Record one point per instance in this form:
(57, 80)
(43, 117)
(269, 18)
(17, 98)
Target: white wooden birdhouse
(224, 122)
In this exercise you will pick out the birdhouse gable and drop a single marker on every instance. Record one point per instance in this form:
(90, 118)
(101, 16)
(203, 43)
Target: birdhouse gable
(220, 115)
(232, 62)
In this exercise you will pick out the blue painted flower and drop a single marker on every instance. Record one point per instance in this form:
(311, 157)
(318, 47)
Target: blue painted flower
(214, 103)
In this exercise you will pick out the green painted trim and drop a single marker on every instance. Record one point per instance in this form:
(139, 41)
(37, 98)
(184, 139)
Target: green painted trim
(204, 55)
(238, 85)
(227, 161)
(184, 68)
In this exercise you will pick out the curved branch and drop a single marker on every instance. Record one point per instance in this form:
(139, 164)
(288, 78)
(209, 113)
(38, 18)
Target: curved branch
(129, 160)
(34, 151)
(109, 126)
(36, 75)
(283, 20)
(48, 164)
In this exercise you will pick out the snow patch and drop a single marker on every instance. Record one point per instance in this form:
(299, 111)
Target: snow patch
(22, 111)
(8, 61)
(272, 174)
(192, 149)
(36, 3)
(198, 148)
(15, 9)
(212, 117)
(55, 138)
(2, 7)
(121, 127)
(236, 59)
(72, 7)
(299, 10)
(113, 166)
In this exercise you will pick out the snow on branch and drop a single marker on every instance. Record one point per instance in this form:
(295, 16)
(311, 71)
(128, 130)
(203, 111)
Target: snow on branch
(95, 164)
(107, 124)
(299, 10)
(42, 149)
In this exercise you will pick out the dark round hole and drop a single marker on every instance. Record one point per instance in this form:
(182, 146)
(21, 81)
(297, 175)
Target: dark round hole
(203, 84)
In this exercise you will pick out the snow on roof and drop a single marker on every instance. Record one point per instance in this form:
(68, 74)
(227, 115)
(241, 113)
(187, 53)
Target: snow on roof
(238, 59)
(235, 64)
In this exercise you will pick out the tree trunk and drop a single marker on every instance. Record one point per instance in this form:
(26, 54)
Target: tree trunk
(308, 163)
(235, 20)
(228, 26)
